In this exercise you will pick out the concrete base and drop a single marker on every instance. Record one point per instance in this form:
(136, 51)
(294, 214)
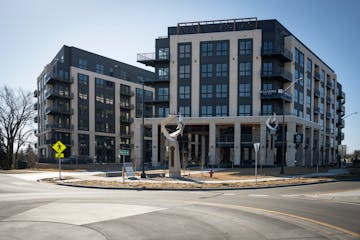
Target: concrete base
(174, 159)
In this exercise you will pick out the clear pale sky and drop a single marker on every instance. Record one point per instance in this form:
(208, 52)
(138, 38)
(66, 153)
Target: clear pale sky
(33, 31)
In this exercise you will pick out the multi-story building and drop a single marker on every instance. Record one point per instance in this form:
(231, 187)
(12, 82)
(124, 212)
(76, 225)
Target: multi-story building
(88, 102)
(226, 78)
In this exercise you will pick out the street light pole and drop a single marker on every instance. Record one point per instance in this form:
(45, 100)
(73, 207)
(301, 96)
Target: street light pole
(143, 174)
(282, 170)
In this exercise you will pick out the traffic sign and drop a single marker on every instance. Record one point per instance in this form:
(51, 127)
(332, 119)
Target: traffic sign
(59, 147)
(124, 152)
(59, 155)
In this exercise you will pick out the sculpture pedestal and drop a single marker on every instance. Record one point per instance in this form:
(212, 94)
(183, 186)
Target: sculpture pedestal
(174, 159)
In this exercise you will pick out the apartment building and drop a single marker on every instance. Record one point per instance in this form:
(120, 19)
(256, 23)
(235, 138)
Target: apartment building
(89, 102)
(226, 78)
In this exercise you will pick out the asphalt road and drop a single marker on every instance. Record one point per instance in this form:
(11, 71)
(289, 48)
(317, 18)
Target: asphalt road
(32, 210)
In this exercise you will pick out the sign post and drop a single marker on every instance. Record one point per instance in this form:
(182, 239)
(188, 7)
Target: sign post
(59, 147)
(256, 146)
(123, 153)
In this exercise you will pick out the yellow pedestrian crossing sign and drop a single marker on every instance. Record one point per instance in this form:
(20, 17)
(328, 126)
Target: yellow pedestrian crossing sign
(59, 155)
(59, 147)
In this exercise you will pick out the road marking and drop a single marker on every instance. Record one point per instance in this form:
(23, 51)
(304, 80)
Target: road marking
(258, 195)
(253, 209)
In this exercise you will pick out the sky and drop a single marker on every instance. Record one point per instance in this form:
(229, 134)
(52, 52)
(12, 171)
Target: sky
(33, 31)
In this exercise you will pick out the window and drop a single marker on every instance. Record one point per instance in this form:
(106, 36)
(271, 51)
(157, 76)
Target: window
(163, 112)
(184, 71)
(299, 58)
(296, 95)
(184, 111)
(267, 86)
(163, 53)
(245, 69)
(267, 68)
(163, 73)
(82, 63)
(308, 83)
(206, 111)
(244, 90)
(309, 65)
(322, 76)
(206, 91)
(83, 96)
(245, 47)
(109, 100)
(267, 46)
(163, 94)
(99, 82)
(100, 98)
(221, 90)
(100, 68)
(222, 48)
(184, 50)
(221, 110)
(308, 101)
(83, 79)
(301, 98)
(267, 109)
(221, 69)
(206, 49)
(206, 70)
(184, 92)
(244, 110)
(322, 108)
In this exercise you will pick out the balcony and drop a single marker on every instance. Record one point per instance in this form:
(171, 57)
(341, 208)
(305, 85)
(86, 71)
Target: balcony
(340, 109)
(59, 110)
(328, 100)
(317, 76)
(126, 119)
(340, 123)
(342, 136)
(328, 115)
(276, 94)
(35, 93)
(328, 83)
(317, 92)
(56, 126)
(128, 134)
(35, 106)
(316, 110)
(329, 131)
(36, 119)
(52, 94)
(341, 95)
(149, 59)
(284, 55)
(127, 107)
(277, 74)
(51, 78)
(126, 93)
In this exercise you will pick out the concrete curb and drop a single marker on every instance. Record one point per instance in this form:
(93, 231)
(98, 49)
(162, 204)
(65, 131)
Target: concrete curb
(193, 189)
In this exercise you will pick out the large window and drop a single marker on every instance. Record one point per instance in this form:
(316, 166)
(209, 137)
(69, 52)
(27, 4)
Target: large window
(221, 69)
(82, 63)
(244, 90)
(163, 53)
(163, 73)
(267, 68)
(184, 92)
(206, 49)
(221, 90)
(296, 95)
(163, 93)
(301, 98)
(206, 70)
(206, 91)
(184, 50)
(244, 110)
(245, 47)
(83, 79)
(221, 110)
(222, 48)
(184, 71)
(267, 86)
(100, 68)
(184, 111)
(267, 46)
(308, 101)
(267, 109)
(163, 112)
(206, 111)
(245, 69)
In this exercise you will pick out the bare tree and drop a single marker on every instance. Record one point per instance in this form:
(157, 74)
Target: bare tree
(16, 113)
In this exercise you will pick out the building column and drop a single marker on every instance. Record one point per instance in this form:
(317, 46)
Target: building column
(262, 144)
(155, 140)
(203, 154)
(212, 143)
(290, 146)
(137, 143)
(310, 147)
(237, 144)
(301, 147)
(196, 147)
(189, 147)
